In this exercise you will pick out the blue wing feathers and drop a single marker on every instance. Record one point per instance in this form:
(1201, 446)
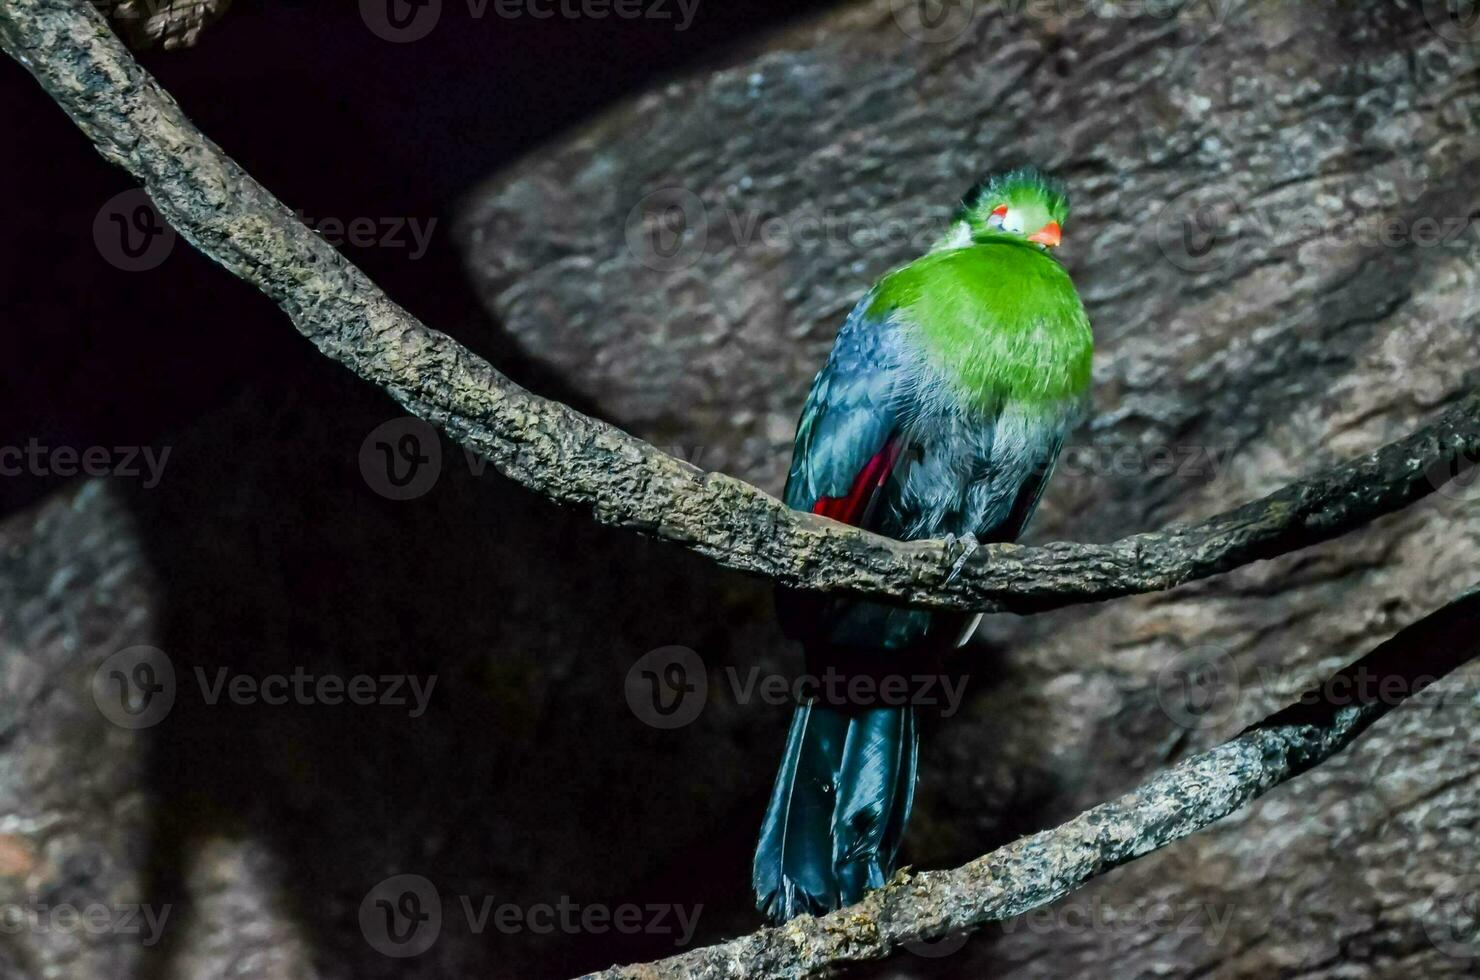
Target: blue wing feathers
(850, 413)
(874, 425)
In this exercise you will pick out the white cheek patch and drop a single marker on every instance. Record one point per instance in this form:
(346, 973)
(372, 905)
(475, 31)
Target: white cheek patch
(1013, 222)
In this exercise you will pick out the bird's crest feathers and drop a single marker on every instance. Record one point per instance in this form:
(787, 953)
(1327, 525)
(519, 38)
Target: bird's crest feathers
(1025, 204)
(1026, 184)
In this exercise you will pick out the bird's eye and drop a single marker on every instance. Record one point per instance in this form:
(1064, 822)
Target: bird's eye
(999, 215)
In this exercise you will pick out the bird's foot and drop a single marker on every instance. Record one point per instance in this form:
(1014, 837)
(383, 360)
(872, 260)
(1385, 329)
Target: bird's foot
(968, 545)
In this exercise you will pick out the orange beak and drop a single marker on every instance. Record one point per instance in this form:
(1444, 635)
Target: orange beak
(1050, 235)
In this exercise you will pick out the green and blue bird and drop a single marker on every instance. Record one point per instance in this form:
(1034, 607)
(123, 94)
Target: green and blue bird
(939, 414)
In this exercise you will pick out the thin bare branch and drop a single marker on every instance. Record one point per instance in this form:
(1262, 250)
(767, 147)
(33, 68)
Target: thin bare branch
(1036, 870)
(566, 456)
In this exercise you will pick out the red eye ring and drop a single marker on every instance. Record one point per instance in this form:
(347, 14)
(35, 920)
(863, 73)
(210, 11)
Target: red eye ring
(1000, 211)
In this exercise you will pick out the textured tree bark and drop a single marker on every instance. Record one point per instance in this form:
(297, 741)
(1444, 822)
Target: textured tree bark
(168, 23)
(1039, 869)
(624, 481)
(1302, 331)
(1293, 352)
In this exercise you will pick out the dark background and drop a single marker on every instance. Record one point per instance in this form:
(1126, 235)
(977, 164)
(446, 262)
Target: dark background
(336, 122)
(272, 553)
(530, 778)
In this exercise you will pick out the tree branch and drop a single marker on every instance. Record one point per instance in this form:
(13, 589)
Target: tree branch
(169, 23)
(1040, 869)
(622, 480)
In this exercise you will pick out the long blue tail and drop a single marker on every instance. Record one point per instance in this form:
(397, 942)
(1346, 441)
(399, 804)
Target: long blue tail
(838, 810)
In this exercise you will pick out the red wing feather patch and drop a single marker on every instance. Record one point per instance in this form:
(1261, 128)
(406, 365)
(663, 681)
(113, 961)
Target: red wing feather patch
(852, 508)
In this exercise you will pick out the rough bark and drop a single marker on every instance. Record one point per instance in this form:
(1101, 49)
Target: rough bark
(168, 23)
(1296, 351)
(623, 480)
(1046, 866)
(1302, 337)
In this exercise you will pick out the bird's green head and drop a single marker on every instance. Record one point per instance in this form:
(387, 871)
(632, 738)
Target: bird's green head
(1026, 205)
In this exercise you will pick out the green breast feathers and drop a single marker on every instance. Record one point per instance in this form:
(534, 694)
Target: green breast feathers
(998, 322)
